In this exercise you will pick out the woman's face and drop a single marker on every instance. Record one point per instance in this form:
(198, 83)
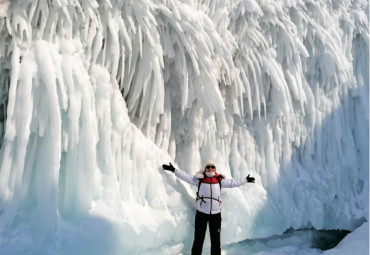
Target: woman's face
(210, 168)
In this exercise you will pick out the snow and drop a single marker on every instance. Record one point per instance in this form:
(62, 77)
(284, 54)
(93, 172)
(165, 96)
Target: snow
(96, 95)
(355, 243)
(303, 242)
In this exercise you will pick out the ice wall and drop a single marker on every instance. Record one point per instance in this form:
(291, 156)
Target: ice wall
(96, 95)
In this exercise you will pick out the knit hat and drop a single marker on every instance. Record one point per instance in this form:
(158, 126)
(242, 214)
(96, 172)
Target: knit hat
(209, 162)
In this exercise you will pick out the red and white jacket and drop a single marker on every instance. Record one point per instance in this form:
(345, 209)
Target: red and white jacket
(209, 194)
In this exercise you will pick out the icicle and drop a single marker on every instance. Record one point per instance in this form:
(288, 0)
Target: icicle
(99, 94)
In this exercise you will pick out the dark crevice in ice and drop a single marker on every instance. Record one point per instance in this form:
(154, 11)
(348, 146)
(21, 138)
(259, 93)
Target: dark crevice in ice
(290, 240)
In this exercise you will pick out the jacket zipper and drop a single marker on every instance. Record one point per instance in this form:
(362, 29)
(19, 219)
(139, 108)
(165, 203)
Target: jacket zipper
(210, 209)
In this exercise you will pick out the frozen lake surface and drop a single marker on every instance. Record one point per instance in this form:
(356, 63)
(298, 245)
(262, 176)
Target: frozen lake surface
(299, 242)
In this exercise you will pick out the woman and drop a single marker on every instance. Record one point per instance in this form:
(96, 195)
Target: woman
(208, 203)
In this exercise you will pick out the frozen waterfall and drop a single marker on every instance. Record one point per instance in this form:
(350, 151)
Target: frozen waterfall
(96, 95)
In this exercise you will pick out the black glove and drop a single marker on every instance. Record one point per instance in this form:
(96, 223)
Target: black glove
(250, 179)
(168, 167)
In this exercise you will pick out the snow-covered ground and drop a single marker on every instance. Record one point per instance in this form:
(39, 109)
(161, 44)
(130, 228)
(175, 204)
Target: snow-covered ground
(303, 242)
(300, 242)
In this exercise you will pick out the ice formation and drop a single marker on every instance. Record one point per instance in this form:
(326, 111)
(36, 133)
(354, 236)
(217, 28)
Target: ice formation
(96, 95)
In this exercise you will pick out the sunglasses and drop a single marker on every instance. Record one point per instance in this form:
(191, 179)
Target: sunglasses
(208, 167)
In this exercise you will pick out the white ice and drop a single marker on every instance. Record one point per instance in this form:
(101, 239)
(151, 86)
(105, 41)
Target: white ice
(96, 95)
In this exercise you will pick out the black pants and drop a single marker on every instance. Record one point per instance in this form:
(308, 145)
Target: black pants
(214, 221)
